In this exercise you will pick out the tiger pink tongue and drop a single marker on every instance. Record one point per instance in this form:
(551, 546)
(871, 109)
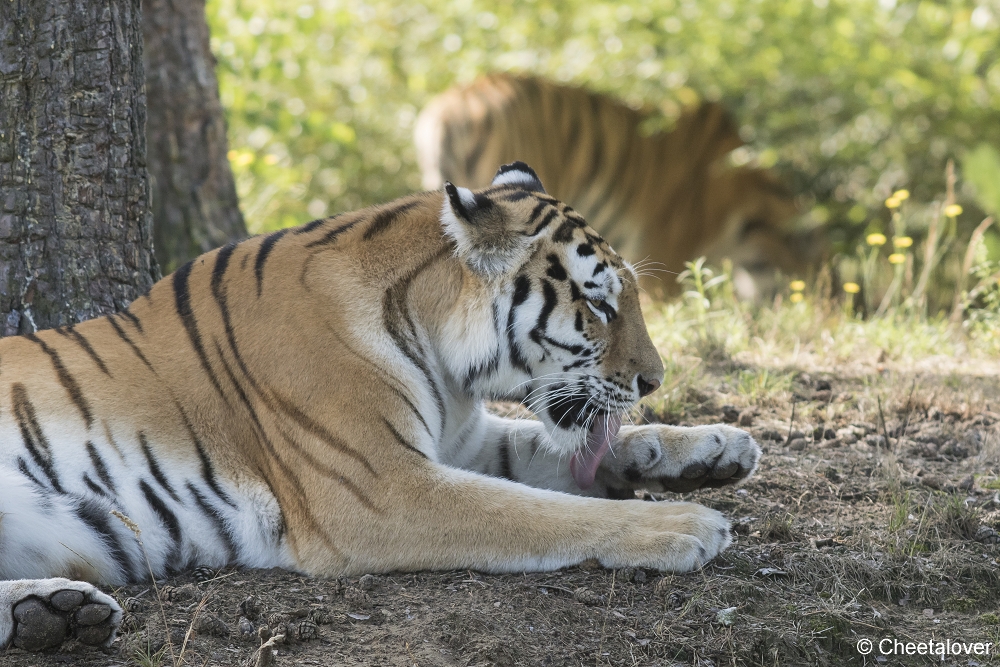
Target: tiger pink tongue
(583, 464)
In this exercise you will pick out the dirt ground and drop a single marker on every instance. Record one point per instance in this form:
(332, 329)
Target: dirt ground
(874, 515)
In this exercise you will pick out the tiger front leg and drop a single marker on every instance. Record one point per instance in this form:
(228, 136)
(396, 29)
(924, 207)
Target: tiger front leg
(437, 517)
(41, 614)
(679, 459)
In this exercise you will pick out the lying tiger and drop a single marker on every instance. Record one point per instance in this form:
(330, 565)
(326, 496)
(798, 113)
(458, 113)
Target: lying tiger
(313, 400)
(666, 198)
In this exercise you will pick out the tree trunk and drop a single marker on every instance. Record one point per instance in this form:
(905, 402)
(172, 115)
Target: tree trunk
(195, 207)
(75, 229)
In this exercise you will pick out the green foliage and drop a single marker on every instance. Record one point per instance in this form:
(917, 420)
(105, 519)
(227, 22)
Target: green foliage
(756, 384)
(701, 287)
(982, 303)
(848, 99)
(982, 171)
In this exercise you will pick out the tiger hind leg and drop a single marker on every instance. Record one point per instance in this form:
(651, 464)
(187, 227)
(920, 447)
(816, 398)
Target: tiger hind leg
(41, 614)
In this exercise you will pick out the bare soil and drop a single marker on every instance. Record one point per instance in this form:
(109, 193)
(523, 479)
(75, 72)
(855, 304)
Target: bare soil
(874, 515)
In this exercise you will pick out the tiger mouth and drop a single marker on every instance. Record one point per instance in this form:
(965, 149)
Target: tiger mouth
(584, 462)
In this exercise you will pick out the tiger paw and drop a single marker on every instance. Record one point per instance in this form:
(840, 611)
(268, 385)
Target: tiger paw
(41, 614)
(679, 459)
(671, 537)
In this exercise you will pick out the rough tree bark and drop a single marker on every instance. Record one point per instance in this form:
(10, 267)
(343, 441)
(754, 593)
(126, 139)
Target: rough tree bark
(195, 207)
(75, 229)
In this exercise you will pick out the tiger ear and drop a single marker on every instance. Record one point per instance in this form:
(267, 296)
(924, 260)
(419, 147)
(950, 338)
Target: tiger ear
(485, 238)
(519, 174)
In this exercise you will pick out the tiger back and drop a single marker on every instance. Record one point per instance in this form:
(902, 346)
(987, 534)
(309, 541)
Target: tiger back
(660, 200)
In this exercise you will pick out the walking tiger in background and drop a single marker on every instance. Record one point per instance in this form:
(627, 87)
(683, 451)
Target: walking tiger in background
(666, 198)
(313, 399)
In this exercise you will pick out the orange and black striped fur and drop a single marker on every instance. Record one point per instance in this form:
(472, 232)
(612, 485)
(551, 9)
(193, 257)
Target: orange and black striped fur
(313, 399)
(663, 199)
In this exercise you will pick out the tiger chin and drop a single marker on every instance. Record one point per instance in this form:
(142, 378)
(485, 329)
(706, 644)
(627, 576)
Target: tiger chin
(314, 399)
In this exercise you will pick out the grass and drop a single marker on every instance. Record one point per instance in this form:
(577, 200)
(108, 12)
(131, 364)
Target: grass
(925, 302)
(141, 651)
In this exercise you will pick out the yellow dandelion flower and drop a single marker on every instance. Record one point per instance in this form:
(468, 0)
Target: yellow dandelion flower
(901, 195)
(953, 210)
(902, 241)
(797, 285)
(875, 239)
(852, 288)
(897, 258)
(795, 297)
(892, 202)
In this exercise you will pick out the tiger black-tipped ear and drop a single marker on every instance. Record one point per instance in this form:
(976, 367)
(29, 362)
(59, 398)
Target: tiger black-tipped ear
(519, 174)
(484, 237)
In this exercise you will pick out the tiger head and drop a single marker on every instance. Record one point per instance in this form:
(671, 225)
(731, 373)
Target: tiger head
(571, 343)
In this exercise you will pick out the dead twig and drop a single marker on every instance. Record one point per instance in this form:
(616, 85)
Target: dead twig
(791, 425)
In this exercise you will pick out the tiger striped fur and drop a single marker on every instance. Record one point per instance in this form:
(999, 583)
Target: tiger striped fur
(313, 400)
(663, 199)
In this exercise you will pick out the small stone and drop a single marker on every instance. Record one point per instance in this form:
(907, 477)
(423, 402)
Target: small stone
(640, 576)
(66, 600)
(356, 598)
(367, 582)
(746, 418)
(829, 434)
(730, 413)
(246, 627)
(987, 535)
(726, 616)
(92, 614)
(798, 444)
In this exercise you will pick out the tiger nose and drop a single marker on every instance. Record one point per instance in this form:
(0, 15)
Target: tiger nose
(646, 387)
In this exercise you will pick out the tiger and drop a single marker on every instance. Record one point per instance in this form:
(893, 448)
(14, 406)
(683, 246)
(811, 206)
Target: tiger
(659, 200)
(313, 399)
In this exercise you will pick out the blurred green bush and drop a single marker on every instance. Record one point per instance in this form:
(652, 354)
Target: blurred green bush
(848, 99)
